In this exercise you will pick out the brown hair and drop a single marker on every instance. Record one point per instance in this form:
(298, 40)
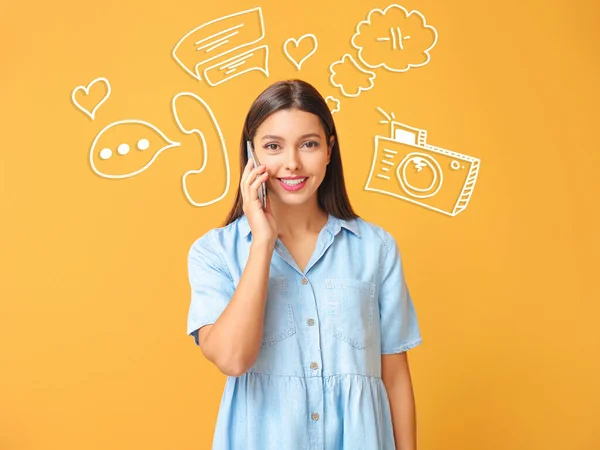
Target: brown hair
(288, 94)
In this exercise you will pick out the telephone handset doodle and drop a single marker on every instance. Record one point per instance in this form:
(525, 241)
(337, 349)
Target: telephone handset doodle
(262, 189)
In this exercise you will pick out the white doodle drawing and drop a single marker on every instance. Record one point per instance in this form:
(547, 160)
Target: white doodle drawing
(334, 100)
(86, 89)
(218, 38)
(406, 167)
(217, 139)
(238, 65)
(347, 63)
(403, 133)
(394, 39)
(107, 164)
(296, 43)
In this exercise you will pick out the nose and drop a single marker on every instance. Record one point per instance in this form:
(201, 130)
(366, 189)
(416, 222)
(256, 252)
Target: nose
(292, 159)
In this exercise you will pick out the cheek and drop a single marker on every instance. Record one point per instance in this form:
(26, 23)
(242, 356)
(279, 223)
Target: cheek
(320, 164)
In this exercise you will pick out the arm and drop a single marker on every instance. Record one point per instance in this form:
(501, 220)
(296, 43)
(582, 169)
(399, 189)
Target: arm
(397, 381)
(233, 342)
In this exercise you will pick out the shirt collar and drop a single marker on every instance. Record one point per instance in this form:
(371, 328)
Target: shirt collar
(333, 225)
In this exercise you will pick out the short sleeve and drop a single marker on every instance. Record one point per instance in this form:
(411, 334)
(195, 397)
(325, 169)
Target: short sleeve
(399, 326)
(211, 285)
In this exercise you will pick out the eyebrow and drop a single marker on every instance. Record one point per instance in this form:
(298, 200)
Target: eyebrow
(304, 136)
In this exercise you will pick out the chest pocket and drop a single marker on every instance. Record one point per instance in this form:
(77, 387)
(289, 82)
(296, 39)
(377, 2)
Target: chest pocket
(352, 309)
(279, 320)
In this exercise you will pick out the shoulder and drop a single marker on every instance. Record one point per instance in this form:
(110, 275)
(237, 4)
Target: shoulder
(217, 240)
(374, 234)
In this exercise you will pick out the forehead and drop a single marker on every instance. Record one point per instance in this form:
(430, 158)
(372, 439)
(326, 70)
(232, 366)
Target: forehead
(290, 123)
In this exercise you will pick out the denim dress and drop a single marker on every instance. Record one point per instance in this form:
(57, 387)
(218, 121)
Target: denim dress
(317, 381)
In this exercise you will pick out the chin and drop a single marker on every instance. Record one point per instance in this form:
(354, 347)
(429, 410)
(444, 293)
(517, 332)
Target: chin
(292, 200)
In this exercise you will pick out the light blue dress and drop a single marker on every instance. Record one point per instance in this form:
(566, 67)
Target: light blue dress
(317, 381)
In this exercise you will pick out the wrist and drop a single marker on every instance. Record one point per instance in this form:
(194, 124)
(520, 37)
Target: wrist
(262, 245)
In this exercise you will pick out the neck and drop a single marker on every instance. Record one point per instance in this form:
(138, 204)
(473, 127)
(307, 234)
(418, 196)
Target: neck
(298, 220)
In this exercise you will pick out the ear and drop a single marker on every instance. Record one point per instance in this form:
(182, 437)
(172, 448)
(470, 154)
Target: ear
(330, 147)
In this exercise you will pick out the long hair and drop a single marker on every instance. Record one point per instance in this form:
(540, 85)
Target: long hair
(298, 94)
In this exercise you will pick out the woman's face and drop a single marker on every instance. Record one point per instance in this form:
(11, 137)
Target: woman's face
(292, 145)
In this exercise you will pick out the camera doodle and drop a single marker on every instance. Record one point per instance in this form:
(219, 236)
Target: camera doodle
(406, 167)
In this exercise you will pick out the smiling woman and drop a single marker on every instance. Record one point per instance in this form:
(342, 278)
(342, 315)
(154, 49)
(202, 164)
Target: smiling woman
(296, 161)
(293, 133)
(302, 303)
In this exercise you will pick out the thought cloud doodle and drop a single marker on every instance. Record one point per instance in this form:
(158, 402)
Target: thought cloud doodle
(126, 148)
(98, 90)
(200, 120)
(220, 41)
(405, 166)
(349, 77)
(333, 104)
(298, 51)
(394, 39)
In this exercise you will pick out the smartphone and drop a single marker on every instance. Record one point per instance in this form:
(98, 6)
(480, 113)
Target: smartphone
(262, 189)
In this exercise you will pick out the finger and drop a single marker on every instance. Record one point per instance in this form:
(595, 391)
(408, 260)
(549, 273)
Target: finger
(268, 205)
(256, 184)
(254, 173)
(249, 166)
(246, 180)
(260, 178)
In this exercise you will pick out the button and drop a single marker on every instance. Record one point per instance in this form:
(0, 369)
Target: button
(304, 281)
(314, 416)
(310, 322)
(314, 366)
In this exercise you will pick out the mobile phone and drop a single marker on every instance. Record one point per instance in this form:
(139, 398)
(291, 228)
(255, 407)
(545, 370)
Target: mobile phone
(262, 189)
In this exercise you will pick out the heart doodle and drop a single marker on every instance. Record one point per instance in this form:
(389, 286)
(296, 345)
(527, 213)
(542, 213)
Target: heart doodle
(296, 42)
(87, 89)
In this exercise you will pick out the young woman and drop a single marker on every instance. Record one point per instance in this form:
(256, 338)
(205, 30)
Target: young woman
(304, 304)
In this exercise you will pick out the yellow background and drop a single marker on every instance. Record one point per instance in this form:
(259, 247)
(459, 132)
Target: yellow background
(94, 293)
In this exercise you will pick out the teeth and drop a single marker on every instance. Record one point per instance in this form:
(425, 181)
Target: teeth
(294, 182)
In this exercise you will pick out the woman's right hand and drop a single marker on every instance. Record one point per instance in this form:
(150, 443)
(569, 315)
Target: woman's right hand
(262, 223)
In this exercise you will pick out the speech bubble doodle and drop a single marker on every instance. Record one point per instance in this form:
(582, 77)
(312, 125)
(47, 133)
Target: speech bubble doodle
(212, 139)
(91, 114)
(126, 148)
(217, 38)
(296, 42)
(254, 59)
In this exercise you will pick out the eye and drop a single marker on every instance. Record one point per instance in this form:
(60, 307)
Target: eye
(271, 146)
(311, 144)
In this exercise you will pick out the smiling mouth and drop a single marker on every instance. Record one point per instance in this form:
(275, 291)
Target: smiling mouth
(294, 182)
